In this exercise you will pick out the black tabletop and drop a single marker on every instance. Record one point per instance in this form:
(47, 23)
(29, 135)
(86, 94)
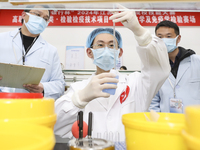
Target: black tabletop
(61, 146)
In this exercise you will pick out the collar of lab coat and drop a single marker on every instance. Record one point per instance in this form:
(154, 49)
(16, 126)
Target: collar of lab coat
(183, 67)
(18, 41)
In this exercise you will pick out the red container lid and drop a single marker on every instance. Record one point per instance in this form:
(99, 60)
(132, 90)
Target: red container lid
(20, 95)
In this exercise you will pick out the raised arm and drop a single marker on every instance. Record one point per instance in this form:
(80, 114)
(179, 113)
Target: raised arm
(153, 55)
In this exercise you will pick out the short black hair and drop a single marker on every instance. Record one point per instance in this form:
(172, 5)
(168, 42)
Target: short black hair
(170, 24)
(124, 67)
(29, 7)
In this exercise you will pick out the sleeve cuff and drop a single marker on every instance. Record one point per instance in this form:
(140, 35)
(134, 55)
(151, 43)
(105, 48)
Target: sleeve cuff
(144, 39)
(77, 102)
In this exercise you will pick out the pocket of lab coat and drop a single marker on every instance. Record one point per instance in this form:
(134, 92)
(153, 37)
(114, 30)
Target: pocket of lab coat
(46, 65)
(194, 88)
(45, 61)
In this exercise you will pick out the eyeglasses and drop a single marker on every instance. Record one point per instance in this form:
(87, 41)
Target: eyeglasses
(39, 15)
(103, 45)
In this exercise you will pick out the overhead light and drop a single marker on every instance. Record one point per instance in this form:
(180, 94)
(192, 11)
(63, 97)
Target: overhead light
(24, 2)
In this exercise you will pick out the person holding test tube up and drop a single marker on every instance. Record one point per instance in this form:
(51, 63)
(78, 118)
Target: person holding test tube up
(133, 93)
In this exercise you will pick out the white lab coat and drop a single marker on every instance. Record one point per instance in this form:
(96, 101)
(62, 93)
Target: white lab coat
(187, 86)
(107, 112)
(41, 54)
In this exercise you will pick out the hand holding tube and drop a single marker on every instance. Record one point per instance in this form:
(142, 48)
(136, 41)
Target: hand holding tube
(129, 19)
(96, 85)
(94, 89)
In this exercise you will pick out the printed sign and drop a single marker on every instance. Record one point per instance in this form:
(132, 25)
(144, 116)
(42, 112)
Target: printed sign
(101, 18)
(75, 57)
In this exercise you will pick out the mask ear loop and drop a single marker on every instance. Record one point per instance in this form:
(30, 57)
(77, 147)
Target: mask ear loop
(176, 39)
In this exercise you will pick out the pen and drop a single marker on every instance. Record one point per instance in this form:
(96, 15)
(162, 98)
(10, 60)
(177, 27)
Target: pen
(90, 129)
(90, 125)
(80, 124)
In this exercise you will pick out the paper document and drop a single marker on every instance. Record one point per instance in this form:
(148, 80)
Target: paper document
(16, 75)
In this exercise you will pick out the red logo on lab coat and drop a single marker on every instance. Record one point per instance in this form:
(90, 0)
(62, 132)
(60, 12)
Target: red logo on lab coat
(124, 95)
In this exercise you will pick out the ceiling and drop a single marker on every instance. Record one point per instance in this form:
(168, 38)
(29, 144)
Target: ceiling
(164, 6)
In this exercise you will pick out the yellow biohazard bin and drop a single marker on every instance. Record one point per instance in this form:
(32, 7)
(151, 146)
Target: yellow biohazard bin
(27, 107)
(192, 142)
(191, 134)
(25, 136)
(192, 116)
(165, 134)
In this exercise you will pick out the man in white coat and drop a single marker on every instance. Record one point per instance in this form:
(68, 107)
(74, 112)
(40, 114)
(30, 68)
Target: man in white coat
(182, 88)
(25, 46)
(133, 93)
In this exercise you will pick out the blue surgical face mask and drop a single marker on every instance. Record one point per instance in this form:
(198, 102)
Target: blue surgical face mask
(35, 24)
(170, 43)
(104, 58)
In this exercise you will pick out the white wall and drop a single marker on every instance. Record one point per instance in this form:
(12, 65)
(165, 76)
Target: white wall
(61, 37)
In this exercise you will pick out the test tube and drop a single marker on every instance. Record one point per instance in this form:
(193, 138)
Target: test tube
(98, 135)
(110, 136)
(105, 135)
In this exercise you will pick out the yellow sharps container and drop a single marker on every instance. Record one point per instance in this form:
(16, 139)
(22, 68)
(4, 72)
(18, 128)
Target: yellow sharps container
(165, 134)
(27, 107)
(191, 134)
(25, 136)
